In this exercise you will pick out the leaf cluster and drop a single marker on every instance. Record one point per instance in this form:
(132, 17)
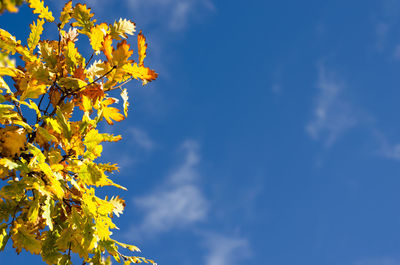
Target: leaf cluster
(49, 141)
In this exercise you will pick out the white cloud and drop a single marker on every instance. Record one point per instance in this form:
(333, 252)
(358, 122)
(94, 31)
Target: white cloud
(141, 139)
(225, 250)
(171, 208)
(385, 148)
(332, 115)
(176, 203)
(386, 22)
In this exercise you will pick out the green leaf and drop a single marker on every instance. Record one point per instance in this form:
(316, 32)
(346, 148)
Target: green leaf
(23, 237)
(50, 251)
(83, 18)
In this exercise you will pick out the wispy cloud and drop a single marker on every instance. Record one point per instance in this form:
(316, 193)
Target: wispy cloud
(140, 138)
(387, 20)
(332, 116)
(178, 202)
(386, 148)
(225, 250)
(172, 15)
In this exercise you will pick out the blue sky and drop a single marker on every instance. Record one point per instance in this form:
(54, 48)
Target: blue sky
(271, 136)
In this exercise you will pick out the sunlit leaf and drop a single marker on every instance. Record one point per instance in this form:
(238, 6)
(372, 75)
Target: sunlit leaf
(39, 8)
(142, 47)
(34, 36)
(122, 28)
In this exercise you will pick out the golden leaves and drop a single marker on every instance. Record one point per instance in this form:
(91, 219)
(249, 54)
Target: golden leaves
(140, 72)
(34, 36)
(111, 113)
(142, 47)
(107, 47)
(39, 8)
(96, 36)
(73, 57)
(10, 5)
(121, 54)
(12, 141)
(65, 15)
(48, 146)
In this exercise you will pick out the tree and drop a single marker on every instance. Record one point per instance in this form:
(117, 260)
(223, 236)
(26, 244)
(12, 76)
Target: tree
(49, 144)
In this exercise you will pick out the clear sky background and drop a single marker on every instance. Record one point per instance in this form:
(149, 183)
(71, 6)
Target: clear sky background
(272, 135)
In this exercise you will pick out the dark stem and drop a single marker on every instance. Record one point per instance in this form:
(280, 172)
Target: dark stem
(94, 81)
(17, 105)
(91, 57)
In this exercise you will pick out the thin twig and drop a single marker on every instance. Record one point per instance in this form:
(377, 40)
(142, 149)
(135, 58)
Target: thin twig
(124, 83)
(40, 101)
(91, 57)
(17, 105)
(69, 250)
(94, 81)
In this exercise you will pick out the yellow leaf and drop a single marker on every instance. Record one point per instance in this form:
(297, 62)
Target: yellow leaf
(23, 237)
(142, 47)
(57, 167)
(130, 247)
(103, 226)
(140, 72)
(71, 83)
(33, 212)
(53, 123)
(121, 54)
(13, 72)
(121, 28)
(34, 36)
(55, 186)
(39, 8)
(92, 142)
(10, 5)
(42, 132)
(49, 52)
(111, 113)
(107, 47)
(86, 103)
(108, 167)
(96, 36)
(4, 236)
(9, 44)
(73, 57)
(83, 17)
(13, 140)
(47, 209)
(33, 90)
(66, 14)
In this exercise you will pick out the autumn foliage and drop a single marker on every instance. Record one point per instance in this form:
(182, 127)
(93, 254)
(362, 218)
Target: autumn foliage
(49, 143)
